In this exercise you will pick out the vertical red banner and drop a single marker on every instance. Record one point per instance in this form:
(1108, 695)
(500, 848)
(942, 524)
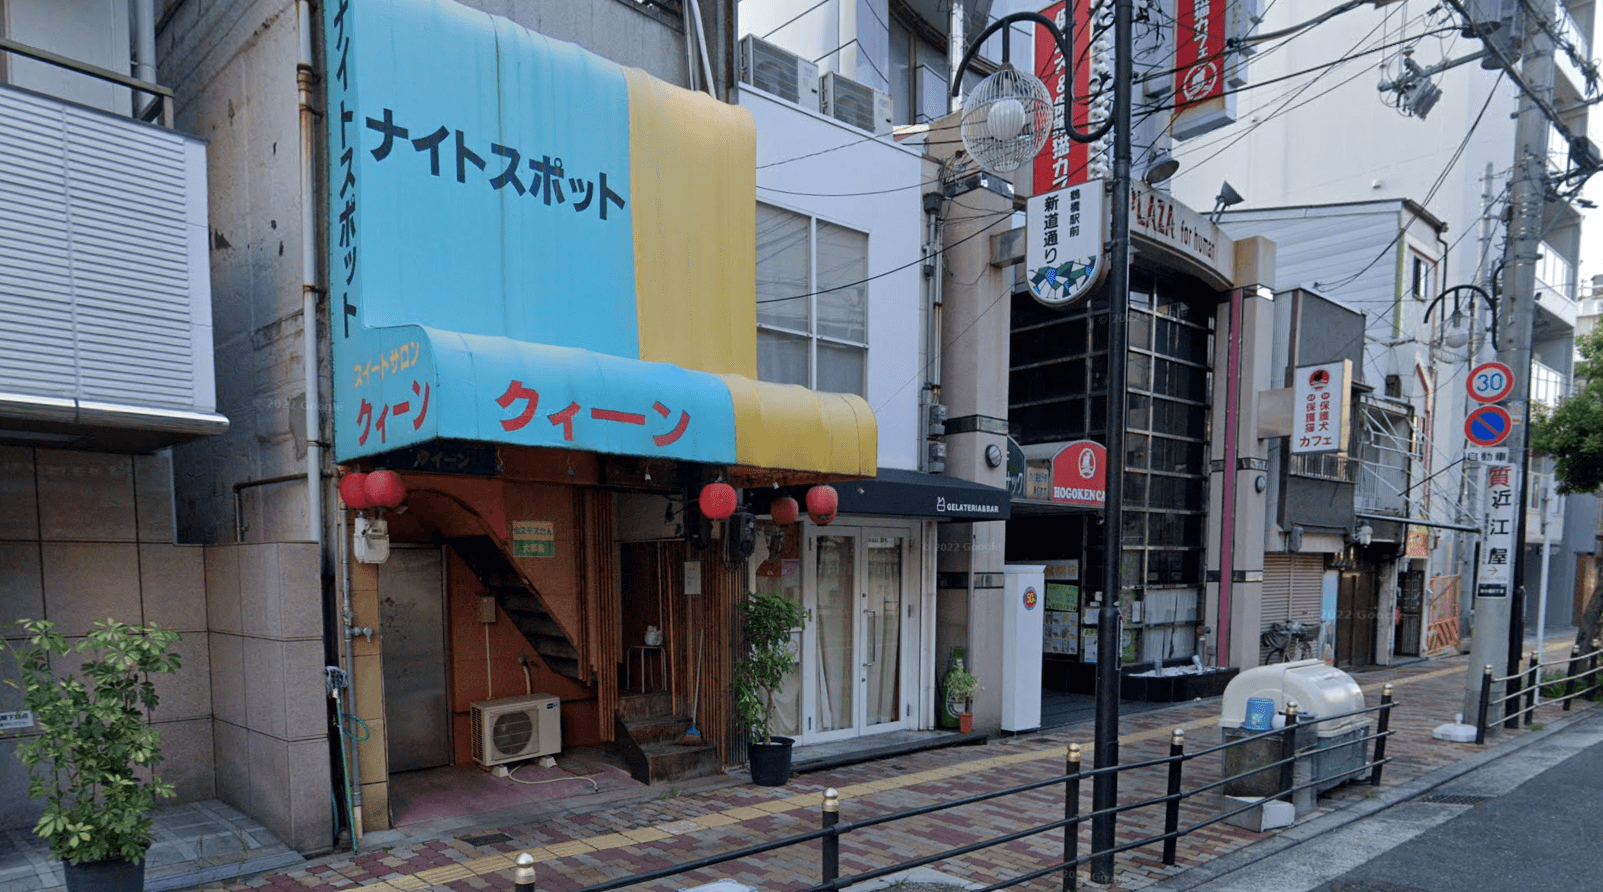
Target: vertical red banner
(1062, 161)
(1198, 51)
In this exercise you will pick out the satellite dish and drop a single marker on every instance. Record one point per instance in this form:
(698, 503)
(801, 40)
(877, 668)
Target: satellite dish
(1006, 120)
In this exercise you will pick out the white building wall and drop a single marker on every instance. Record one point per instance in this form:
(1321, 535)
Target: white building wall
(92, 31)
(1338, 141)
(871, 185)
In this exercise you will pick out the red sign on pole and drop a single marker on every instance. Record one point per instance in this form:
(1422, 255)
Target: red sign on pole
(1062, 161)
(1080, 474)
(1198, 51)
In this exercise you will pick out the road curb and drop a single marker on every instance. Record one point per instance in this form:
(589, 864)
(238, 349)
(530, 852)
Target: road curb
(1295, 836)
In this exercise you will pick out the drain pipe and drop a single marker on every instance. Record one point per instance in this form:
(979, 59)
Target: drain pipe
(305, 80)
(144, 53)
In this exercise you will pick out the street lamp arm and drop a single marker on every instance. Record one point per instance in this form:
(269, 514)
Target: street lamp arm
(1491, 303)
(1068, 64)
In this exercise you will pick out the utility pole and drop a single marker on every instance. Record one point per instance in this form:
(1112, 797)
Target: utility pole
(1499, 627)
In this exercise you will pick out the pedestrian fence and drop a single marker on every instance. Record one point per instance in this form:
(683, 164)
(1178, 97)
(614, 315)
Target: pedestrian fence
(1582, 678)
(1284, 742)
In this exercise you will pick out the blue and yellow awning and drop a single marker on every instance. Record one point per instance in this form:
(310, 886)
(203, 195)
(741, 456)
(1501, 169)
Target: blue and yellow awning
(530, 244)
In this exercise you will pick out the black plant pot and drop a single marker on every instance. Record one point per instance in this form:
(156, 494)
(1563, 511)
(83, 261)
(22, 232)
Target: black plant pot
(115, 875)
(770, 762)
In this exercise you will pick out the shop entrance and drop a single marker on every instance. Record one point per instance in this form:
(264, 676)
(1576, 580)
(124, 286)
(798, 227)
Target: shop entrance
(1355, 620)
(417, 703)
(854, 652)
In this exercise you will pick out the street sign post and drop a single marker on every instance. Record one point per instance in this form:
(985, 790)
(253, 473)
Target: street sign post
(1488, 426)
(1490, 382)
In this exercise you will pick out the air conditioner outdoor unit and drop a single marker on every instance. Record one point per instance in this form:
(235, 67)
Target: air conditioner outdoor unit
(773, 70)
(511, 729)
(852, 103)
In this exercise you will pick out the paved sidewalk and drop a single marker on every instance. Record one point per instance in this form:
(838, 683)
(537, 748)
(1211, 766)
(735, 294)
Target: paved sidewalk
(587, 846)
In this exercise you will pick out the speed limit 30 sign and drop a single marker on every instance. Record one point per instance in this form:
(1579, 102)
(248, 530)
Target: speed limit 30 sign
(1490, 382)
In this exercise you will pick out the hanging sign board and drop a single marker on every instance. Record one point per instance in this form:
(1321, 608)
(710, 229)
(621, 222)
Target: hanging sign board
(1494, 576)
(1063, 257)
(1201, 102)
(1080, 474)
(1322, 412)
(1062, 161)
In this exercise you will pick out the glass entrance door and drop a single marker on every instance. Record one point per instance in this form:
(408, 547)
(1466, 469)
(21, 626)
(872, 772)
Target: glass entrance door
(856, 678)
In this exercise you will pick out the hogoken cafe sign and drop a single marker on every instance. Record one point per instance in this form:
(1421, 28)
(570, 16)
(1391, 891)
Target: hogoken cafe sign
(1080, 474)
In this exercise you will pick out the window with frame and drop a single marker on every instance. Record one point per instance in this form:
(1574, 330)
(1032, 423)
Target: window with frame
(1422, 276)
(812, 302)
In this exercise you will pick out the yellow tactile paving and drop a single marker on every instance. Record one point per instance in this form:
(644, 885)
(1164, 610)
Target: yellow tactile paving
(407, 884)
(646, 834)
(775, 806)
(746, 812)
(438, 876)
(607, 841)
(574, 847)
(490, 864)
(721, 819)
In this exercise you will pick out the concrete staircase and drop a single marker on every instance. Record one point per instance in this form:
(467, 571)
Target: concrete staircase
(648, 740)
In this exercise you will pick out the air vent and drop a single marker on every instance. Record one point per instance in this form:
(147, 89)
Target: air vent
(777, 72)
(852, 103)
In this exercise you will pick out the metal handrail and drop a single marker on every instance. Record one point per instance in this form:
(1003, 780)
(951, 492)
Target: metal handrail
(833, 829)
(163, 94)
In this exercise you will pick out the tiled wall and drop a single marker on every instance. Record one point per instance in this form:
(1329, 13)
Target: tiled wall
(268, 703)
(85, 536)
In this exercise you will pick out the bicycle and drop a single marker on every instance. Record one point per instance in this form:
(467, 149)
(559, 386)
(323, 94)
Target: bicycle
(1289, 642)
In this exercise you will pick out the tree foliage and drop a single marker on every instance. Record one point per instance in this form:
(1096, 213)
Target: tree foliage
(1573, 433)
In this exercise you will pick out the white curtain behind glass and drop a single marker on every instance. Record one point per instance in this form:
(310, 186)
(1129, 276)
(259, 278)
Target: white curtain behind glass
(833, 624)
(884, 586)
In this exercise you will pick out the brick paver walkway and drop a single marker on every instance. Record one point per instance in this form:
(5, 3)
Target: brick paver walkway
(584, 848)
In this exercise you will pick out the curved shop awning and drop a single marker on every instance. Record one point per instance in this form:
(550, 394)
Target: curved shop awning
(427, 384)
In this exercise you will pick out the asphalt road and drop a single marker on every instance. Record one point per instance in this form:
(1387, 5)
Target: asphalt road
(1527, 821)
(1546, 835)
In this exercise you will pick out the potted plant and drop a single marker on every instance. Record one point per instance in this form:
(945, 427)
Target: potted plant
(90, 762)
(962, 685)
(768, 620)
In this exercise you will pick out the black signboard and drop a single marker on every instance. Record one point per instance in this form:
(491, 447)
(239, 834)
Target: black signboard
(446, 457)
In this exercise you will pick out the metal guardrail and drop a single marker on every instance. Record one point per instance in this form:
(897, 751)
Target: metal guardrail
(163, 104)
(1526, 686)
(832, 830)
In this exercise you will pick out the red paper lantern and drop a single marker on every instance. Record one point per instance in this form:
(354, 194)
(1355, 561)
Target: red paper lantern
(822, 503)
(353, 490)
(718, 500)
(386, 489)
(784, 511)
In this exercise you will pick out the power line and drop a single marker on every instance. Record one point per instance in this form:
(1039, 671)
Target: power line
(1451, 163)
(1002, 216)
